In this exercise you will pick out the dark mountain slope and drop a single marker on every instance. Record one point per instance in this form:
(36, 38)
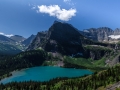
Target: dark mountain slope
(4, 39)
(38, 40)
(61, 37)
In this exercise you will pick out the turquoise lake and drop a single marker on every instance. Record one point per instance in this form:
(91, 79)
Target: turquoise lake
(44, 73)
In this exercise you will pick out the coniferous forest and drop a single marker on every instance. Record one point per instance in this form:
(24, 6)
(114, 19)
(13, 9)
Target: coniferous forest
(22, 60)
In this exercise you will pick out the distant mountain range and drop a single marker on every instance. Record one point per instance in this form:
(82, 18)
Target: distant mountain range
(18, 38)
(103, 34)
(29, 40)
(63, 38)
(14, 44)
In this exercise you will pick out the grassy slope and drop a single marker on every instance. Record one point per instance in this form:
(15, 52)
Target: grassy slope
(88, 63)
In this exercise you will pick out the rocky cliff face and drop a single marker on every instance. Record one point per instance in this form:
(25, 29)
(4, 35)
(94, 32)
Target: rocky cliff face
(117, 31)
(99, 34)
(37, 41)
(103, 34)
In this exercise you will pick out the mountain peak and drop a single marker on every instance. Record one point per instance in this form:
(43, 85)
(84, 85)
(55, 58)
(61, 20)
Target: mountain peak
(61, 37)
(17, 38)
(7, 35)
(56, 22)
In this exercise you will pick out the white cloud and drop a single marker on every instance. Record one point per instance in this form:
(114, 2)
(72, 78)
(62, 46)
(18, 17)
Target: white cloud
(7, 35)
(56, 11)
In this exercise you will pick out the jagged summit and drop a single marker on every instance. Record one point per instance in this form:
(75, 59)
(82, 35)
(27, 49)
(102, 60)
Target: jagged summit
(56, 22)
(101, 34)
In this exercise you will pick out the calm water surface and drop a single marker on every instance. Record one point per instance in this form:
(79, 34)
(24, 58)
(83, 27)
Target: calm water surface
(44, 73)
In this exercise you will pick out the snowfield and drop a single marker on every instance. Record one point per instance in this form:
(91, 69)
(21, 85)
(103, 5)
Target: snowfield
(114, 36)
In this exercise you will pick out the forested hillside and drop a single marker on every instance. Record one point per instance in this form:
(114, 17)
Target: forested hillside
(20, 61)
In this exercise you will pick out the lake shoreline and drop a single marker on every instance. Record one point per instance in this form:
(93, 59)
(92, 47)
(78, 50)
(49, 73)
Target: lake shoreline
(16, 72)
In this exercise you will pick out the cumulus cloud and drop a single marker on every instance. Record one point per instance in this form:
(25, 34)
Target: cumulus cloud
(7, 35)
(56, 11)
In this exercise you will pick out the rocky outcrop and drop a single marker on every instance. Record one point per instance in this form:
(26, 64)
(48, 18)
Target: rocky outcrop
(29, 40)
(99, 34)
(38, 40)
(117, 31)
(96, 52)
(103, 34)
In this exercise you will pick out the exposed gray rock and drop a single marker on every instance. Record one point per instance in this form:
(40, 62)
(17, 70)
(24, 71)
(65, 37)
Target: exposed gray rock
(17, 38)
(99, 34)
(117, 31)
(40, 37)
(29, 40)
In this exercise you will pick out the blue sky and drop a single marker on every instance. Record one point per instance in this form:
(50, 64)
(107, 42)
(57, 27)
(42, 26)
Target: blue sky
(26, 17)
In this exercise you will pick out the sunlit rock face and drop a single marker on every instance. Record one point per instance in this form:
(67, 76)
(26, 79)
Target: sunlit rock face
(98, 34)
(103, 34)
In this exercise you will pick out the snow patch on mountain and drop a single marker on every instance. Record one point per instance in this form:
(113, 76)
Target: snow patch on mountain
(114, 36)
(86, 31)
(7, 35)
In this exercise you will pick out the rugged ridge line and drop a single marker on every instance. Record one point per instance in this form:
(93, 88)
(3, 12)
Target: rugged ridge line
(103, 34)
